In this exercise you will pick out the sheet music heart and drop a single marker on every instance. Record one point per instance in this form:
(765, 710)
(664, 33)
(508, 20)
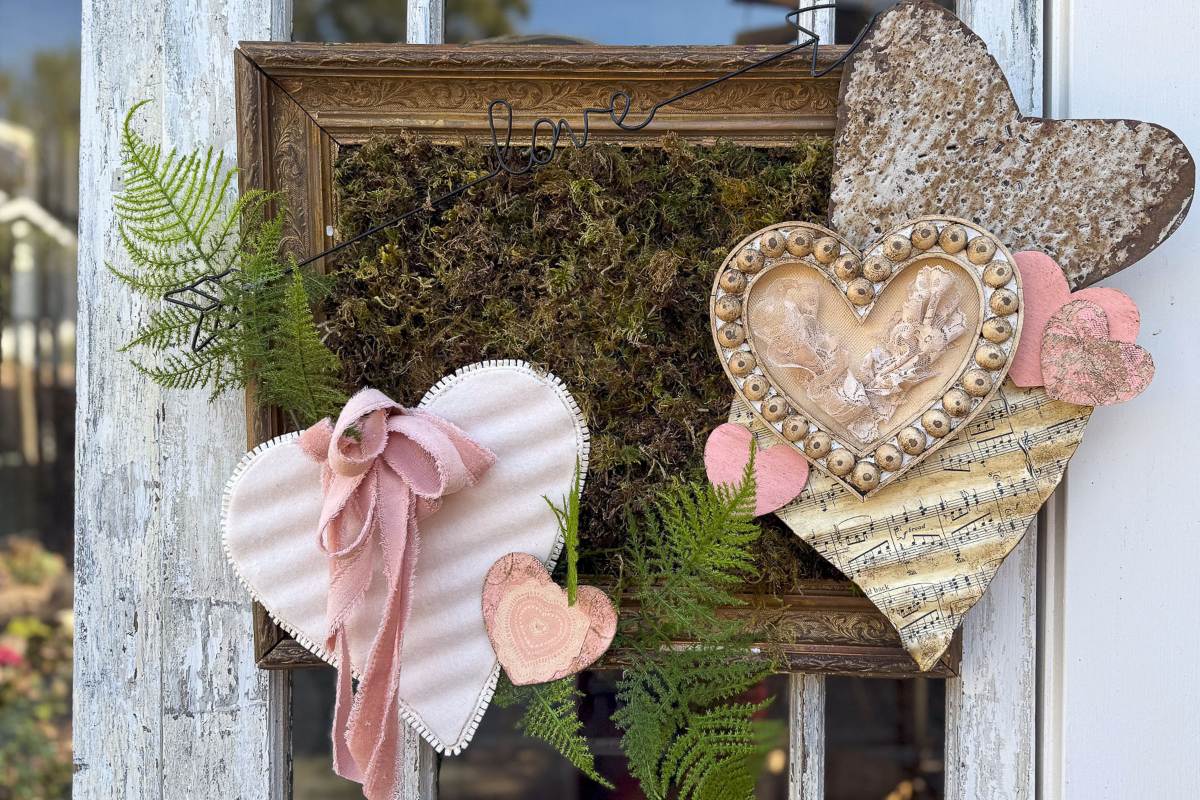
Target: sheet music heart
(925, 549)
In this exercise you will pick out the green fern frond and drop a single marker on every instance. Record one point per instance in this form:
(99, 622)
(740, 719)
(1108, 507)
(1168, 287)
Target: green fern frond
(178, 220)
(551, 716)
(301, 373)
(568, 526)
(684, 728)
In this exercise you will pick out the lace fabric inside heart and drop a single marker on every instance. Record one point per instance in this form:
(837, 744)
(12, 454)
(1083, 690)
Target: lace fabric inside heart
(863, 378)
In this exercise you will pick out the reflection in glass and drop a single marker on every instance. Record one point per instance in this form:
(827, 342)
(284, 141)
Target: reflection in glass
(885, 739)
(628, 22)
(39, 154)
(501, 762)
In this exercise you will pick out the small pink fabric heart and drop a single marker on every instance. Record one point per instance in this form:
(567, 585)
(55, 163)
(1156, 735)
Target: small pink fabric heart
(1045, 290)
(537, 636)
(780, 473)
(1082, 364)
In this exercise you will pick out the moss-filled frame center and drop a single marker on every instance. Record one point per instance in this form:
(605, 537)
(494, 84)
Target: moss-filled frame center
(596, 268)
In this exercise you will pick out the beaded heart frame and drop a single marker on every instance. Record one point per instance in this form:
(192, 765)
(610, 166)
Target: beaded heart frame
(865, 468)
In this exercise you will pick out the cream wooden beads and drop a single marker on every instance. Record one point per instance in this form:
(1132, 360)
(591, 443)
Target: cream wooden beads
(733, 281)
(877, 269)
(795, 428)
(897, 247)
(727, 308)
(924, 235)
(953, 238)
(889, 457)
(826, 249)
(1003, 302)
(936, 422)
(776, 408)
(731, 334)
(981, 250)
(997, 274)
(741, 363)
(772, 244)
(865, 476)
(817, 445)
(860, 292)
(847, 267)
(912, 440)
(840, 462)
(997, 330)
(756, 387)
(976, 382)
(751, 260)
(990, 356)
(799, 243)
(956, 402)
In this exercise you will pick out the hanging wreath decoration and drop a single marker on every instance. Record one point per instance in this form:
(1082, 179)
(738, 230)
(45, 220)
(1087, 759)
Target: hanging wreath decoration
(940, 322)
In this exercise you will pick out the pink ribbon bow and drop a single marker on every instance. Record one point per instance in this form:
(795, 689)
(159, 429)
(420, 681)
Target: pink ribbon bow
(378, 484)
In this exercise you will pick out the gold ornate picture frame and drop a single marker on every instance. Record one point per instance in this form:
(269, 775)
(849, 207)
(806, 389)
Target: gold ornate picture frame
(300, 104)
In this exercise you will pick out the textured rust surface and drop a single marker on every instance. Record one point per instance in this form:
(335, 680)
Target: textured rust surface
(927, 125)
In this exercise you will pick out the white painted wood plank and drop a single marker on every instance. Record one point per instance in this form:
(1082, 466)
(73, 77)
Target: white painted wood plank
(991, 709)
(1127, 674)
(168, 702)
(806, 693)
(806, 751)
(425, 25)
(991, 723)
(820, 22)
(426, 21)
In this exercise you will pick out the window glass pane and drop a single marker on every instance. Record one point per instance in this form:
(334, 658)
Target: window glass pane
(660, 22)
(501, 763)
(39, 155)
(885, 739)
(312, 715)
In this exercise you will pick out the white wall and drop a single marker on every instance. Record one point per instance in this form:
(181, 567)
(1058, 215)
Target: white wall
(1123, 584)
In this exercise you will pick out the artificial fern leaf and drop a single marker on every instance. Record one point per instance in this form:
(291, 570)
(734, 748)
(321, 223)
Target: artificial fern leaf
(684, 730)
(568, 527)
(551, 715)
(179, 221)
(172, 213)
(301, 373)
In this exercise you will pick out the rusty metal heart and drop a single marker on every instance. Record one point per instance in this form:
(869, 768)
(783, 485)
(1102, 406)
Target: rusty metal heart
(867, 363)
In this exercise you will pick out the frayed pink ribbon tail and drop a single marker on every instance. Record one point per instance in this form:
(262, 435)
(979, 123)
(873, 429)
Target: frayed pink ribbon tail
(379, 481)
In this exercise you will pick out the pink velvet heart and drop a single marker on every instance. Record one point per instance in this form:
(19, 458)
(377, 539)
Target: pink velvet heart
(1082, 364)
(1045, 292)
(537, 636)
(780, 473)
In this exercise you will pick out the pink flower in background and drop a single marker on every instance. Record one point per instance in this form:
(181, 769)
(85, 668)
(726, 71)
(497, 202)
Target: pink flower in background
(9, 657)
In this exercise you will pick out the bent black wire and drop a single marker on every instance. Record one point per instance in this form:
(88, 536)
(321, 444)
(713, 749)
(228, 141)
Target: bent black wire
(546, 135)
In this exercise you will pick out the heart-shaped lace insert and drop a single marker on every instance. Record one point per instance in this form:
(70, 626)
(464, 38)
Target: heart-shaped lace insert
(867, 363)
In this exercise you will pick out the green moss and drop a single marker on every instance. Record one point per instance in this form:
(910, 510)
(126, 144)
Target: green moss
(597, 268)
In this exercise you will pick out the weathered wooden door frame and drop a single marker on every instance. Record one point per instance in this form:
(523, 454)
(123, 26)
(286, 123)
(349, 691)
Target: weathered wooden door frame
(168, 700)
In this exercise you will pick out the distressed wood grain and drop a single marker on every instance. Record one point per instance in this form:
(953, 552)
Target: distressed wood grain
(991, 708)
(806, 742)
(168, 701)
